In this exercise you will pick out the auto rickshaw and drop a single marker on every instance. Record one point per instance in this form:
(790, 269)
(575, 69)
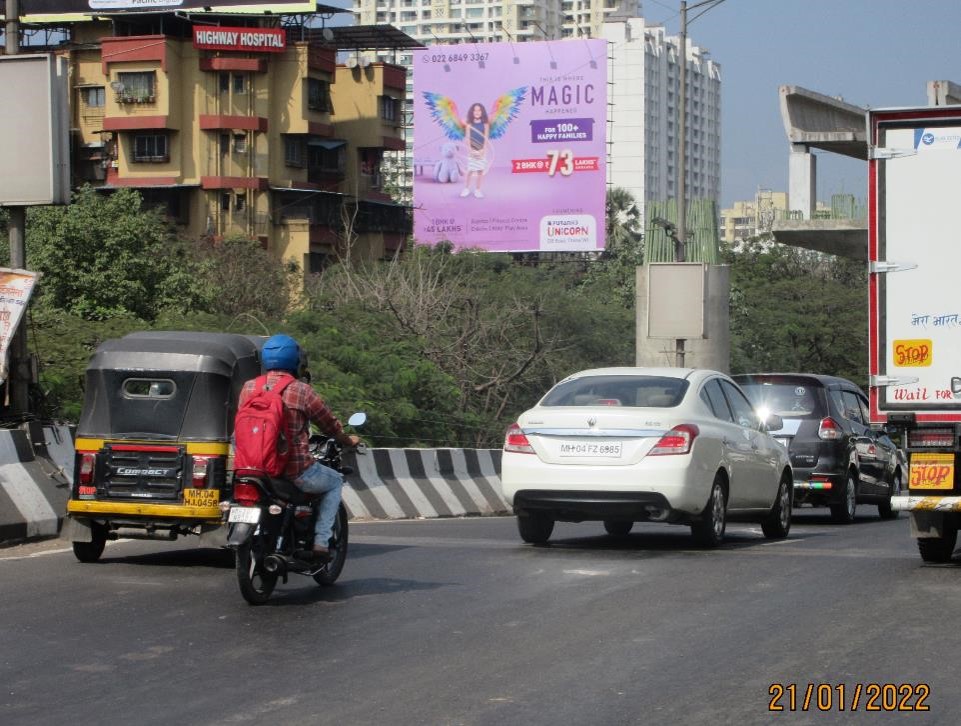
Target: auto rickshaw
(154, 436)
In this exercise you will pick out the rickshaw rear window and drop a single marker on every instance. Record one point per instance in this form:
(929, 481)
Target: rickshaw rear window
(149, 388)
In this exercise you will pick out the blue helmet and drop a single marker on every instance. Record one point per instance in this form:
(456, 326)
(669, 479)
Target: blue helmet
(281, 353)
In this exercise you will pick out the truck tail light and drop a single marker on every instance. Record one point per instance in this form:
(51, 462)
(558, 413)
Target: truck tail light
(828, 430)
(515, 440)
(88, 465)
(199, 477)
(678, 440)
(930, 438)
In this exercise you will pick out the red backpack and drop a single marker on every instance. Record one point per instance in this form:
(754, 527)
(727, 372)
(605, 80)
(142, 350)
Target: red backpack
(261, 439)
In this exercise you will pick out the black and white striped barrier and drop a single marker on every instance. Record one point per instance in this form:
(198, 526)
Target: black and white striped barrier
(34, 485)
(424, 483)
(386, 483)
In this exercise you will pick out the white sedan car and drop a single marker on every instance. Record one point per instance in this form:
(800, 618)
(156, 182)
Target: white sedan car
(623, 445)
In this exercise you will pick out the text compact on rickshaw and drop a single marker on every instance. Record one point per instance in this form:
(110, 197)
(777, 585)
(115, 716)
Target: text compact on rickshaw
(154, 436)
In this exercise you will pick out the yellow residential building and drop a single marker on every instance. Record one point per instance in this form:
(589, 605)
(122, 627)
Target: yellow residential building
(243, 126)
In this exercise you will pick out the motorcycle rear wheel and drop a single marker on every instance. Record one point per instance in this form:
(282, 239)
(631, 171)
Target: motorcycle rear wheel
(256, 584)
(338, 551)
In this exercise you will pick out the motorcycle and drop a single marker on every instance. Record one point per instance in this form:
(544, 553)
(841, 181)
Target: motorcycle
(271, 527)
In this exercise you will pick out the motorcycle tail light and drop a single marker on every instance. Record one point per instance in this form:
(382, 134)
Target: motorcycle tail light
(246, 494)
(199, 478)
(515, 440)
(88, 464)
(828, 430)
(926, 438)
(678, 440)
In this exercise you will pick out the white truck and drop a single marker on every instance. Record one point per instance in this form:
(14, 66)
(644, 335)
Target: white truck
(914, 253)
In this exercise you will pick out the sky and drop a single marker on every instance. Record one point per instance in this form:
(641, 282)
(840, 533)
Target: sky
(872, 53)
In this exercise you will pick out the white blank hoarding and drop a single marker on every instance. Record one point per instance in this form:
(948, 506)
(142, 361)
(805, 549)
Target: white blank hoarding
(34, 140)
(676, 298)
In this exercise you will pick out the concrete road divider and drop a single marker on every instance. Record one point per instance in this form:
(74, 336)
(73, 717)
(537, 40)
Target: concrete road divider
(412, 483)
(35, 483)
(34, 488)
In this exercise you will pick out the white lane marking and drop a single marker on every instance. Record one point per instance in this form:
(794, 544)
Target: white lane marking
(58, 551)
(587, 573)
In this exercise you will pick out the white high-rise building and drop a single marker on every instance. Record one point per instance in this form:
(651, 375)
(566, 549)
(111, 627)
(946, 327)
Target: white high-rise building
(645, 80)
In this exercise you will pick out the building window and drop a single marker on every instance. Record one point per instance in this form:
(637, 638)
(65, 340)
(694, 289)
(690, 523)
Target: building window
(240, 143)
(240, 202)
(318, 95)
(225, 201)
(224, 83)
(240, 84)
(136, 87)
(224, 144)
(370, 161)
(327, 161)
(150, 148)
(390, 109)
(293, 151)
(93, 97)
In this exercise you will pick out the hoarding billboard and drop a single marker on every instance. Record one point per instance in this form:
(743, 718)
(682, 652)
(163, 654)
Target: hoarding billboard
(264, 40)
(53, 10)
(510, 145)
(16, 287)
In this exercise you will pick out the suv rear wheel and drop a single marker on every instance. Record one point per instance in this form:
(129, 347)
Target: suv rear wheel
(884, 508)
(939, 549)
(777, 523)
(843, 511)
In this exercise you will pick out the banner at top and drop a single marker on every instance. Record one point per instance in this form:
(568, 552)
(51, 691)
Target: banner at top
(50, 10)
(510, 145)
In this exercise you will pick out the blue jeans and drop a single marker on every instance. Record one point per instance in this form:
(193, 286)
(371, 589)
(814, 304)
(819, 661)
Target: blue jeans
(320, 479)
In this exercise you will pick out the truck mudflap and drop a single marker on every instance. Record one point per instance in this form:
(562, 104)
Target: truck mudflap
(926, 504)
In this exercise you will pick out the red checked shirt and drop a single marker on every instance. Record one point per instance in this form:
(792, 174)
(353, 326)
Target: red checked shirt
(301, 404)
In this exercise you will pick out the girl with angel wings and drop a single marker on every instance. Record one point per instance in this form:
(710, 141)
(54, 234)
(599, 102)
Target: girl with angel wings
(477, 129)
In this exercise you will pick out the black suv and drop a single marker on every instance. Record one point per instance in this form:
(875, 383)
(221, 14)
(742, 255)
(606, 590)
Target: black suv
(838, 460)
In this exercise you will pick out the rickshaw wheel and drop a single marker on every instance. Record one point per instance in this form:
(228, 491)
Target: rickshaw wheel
(338, 551)
(256, 584)
(91, 551)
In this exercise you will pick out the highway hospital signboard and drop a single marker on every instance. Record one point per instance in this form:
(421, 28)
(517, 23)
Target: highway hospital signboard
(510, 145)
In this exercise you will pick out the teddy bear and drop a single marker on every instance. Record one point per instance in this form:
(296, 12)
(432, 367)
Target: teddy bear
(447, 170)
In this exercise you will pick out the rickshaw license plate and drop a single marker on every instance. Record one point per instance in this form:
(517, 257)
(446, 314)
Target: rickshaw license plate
(202, 497)
(247, 515)
(932, 471)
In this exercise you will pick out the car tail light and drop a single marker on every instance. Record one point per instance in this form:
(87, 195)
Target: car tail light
(88, 465)
(515, 440)
(199, 478)
(828, 430)
(921, 438)
(246, 494)
(678, 440)
(820, 482)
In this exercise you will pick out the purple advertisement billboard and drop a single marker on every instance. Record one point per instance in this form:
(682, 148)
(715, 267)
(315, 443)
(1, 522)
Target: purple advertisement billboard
(510, 145)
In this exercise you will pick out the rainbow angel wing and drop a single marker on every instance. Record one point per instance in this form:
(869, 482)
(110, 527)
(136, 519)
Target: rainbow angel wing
(444, 111)
(505, 110)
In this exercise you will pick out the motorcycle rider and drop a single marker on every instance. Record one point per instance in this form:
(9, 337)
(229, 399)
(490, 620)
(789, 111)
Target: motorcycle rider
(281, 356)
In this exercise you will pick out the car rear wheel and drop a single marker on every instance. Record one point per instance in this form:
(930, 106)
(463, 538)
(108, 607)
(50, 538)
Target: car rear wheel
(777, 524)
(709, 531)
(884, 508)
(938, 549)
(842, 512)
(535, 528)
(617, 528)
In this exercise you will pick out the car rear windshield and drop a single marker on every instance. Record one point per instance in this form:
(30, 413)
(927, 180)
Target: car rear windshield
(634, 391)
(786, 397)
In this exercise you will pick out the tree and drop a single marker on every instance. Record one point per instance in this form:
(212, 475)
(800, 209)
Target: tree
(105, 255)
(797, 310)
(623, 219)
(242, 278)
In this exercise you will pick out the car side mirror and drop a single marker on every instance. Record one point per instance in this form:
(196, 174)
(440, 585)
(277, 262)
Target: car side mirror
(772, 422)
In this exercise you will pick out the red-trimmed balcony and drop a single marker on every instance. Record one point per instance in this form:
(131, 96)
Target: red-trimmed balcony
(234, 182)
(216, 122)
